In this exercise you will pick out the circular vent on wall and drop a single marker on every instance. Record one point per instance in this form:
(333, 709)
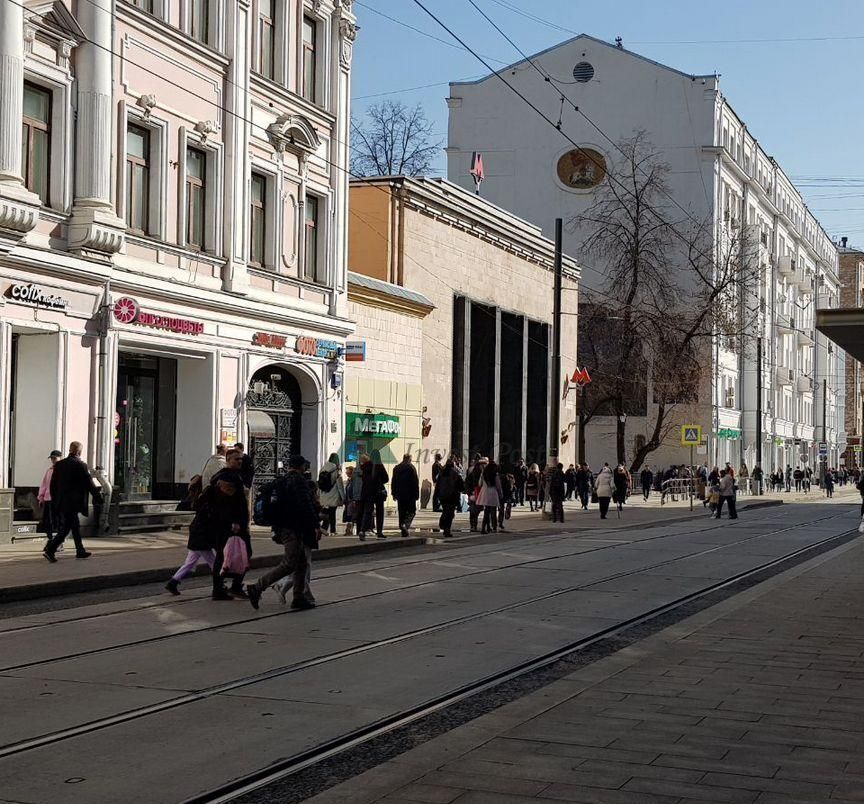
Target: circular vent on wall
(583, 72)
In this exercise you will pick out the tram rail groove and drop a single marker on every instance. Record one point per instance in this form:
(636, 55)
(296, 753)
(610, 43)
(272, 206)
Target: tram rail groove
(250, 783)
(280, 613)
(61, 735)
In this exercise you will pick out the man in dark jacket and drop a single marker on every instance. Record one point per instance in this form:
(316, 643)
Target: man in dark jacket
(557, 492)
(449, 488)
(472, 482)
(520, 473)
(436, 470)
(295, 527)
(570, 481)
(405, 488)
(646, 477)
(71, 489)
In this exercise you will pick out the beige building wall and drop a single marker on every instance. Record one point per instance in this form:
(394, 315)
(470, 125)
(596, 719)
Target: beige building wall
(389, 380)
(455, 244)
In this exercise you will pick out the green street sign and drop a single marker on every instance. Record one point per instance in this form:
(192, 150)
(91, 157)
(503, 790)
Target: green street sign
(376, 425)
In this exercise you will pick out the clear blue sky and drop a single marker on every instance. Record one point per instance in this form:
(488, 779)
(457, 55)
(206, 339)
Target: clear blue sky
(801, 99)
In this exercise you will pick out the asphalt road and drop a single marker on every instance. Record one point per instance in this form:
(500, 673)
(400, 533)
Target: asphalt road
(145, 698)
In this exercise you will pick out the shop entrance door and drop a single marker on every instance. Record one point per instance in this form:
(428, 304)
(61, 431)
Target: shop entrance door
(144, 425)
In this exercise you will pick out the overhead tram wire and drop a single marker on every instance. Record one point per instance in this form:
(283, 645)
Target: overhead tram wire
(548, 78)
(250, 122)
(419, 30)
(687, 242)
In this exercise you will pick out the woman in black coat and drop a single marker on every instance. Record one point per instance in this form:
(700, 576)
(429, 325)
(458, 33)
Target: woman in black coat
(225, 513)
(373, 493)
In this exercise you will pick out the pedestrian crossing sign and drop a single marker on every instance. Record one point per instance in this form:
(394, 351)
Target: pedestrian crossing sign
(691, 435)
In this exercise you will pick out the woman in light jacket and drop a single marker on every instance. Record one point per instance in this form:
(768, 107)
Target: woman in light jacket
(334, 496)
(532, 487)
(604, 488)
(489, 497)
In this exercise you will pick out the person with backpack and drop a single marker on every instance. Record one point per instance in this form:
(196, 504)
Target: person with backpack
(405, 488)
(289, 508)
(331, 491)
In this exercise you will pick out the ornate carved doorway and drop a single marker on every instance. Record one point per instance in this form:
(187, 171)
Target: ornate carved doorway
(274, 409)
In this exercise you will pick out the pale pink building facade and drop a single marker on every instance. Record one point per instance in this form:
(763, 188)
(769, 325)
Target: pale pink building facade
(173, 238)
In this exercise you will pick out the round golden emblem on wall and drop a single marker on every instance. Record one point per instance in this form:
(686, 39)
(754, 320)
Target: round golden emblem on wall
(581, 168)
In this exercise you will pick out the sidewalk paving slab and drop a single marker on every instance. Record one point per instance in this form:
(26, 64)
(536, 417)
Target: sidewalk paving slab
(676, 717)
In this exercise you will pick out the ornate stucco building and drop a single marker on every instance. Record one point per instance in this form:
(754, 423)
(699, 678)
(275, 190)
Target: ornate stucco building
(173, 239)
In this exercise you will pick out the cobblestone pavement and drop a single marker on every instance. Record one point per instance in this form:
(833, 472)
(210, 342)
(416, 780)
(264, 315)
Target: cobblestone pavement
(758, 700)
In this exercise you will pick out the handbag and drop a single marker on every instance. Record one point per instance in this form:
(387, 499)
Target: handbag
(714, 499)
(594, 498)
(236, 559)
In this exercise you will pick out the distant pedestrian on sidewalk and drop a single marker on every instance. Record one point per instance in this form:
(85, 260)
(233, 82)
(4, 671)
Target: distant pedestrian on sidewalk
(353, 483)
(213, 464)
(437, 466)
(798, 477)
(604, 487)
(50, 523)
(199, 545)
(521, 475)
(727, 495)
(507, 484)
(829, 484)
(405, 488)
(621, 479)
(472, 489)
(331, 491)
(758, 478)
(646, 478)
(788, 478)
(584, 485)
(532, 487)
(489, 496)
(570, 481)
(71, 488)
(294, 519)
(557, 492)
(449, 488)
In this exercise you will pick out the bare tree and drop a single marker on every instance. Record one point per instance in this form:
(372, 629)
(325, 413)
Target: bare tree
(393, 140)
(671, 287)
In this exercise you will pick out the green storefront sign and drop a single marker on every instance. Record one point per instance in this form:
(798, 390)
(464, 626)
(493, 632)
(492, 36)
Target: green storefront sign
(729, 434)
(372, 425)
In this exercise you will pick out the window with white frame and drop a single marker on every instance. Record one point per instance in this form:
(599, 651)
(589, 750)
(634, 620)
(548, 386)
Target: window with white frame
(36, 141)
(196, 198)
(267, 10)
(137, 201)
(199, 20)
(310, 59)
(144, 5)
(258, 220)
(313, 267)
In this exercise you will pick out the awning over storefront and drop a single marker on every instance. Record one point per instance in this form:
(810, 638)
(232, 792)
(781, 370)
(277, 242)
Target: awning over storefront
(844, 327)
(260, 424)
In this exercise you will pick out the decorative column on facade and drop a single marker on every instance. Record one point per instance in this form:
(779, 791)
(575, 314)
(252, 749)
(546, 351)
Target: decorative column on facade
(19, 208)
(344, 33)
(94, 228)
(235, 276)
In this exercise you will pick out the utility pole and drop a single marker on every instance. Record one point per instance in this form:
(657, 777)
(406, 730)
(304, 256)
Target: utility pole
(822, 460)
(555, 412)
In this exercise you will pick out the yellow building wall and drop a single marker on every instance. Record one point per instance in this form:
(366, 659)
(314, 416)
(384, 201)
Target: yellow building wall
(369, 231)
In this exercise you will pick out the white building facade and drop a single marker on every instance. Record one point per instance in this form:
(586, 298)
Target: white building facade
(718, 171)
(173, 240)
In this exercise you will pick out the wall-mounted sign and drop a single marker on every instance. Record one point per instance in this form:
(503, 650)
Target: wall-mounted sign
(269, 340)
(127, 311)
(729, 434)
(316, 347)
(33, 294)
(355, 351)
(381, 425)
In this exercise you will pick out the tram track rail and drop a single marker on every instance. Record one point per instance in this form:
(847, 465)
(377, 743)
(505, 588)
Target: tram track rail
(360, 571)
(367, 732)
(241, 790)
